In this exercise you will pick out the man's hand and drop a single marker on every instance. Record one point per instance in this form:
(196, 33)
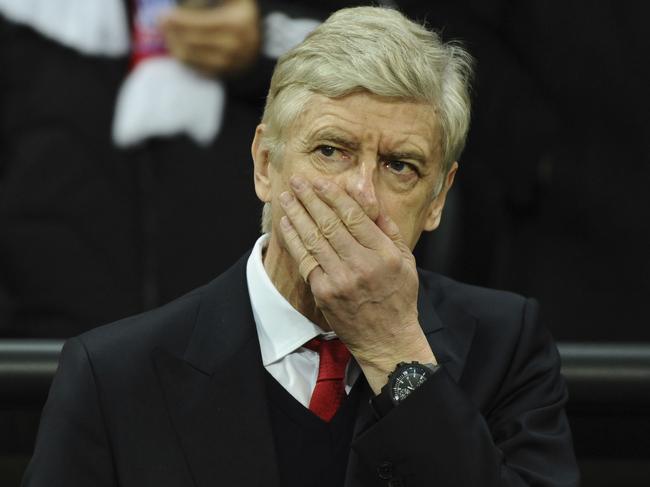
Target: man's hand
(361, 273)
(218, 40)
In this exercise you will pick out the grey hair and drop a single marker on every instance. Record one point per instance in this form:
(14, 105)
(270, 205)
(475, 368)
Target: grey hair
(376, 50)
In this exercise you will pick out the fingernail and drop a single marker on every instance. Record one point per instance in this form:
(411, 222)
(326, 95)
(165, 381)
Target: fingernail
(297, 183)
(321, 184)
(285, 223)
(286, 198)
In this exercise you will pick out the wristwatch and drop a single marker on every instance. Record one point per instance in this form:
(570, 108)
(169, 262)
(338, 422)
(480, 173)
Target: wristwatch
(401, 383)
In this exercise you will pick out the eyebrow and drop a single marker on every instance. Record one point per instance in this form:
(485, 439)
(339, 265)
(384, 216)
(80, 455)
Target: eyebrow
(409, 155)
(338, 137)
(335, 136)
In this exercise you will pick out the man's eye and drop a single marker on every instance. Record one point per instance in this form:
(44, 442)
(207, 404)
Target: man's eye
(400, 167)
(327, 150)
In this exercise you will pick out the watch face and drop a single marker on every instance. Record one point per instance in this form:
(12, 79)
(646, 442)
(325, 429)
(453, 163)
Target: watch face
(409, 379)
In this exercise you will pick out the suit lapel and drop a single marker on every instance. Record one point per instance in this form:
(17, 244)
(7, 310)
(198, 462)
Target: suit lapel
(448, 327)
(215, 393)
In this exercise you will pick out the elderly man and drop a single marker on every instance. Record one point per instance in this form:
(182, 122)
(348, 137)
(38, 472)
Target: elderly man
(325, 357)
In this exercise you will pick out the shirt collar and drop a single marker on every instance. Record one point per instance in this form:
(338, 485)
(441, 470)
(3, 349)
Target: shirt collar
(281, 329)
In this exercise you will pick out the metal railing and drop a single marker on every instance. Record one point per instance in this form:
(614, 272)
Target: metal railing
(601, 376)
(607, 377)
(27, 367)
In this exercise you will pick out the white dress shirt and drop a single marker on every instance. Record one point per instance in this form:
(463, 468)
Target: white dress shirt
(282, 331)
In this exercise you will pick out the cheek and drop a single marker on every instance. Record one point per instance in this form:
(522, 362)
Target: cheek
(279, 174)
(300, 165)
(410, 216)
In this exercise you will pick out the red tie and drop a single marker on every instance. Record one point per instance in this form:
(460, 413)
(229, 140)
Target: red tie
(330, 390)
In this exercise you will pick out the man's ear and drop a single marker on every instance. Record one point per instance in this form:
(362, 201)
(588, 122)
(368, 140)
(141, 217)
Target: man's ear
(435, 209)
(261, 163)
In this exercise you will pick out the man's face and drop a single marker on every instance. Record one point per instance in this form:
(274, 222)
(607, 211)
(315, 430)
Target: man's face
(385, 153)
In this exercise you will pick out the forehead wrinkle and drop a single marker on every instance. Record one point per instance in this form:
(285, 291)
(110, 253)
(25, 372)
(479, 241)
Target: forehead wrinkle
(410, 133)
(323, 117)
(418, 130)
(337, 116)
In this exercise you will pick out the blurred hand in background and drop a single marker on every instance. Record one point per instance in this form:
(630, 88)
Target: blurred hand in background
(219, 40)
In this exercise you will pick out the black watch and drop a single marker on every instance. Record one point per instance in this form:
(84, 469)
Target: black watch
(401, 383)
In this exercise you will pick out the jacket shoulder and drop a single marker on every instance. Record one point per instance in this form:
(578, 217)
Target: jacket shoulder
(131, 340)
(484, 304)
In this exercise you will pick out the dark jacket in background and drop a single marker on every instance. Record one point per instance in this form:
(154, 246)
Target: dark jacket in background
(551, 193)
(91, 233)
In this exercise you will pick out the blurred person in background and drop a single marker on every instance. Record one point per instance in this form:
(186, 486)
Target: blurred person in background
(89, 228)
(98, 221)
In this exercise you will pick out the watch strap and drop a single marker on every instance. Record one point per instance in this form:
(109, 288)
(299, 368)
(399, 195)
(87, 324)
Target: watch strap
(383, 402)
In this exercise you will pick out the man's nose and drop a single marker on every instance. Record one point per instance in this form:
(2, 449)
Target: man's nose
(361, 185)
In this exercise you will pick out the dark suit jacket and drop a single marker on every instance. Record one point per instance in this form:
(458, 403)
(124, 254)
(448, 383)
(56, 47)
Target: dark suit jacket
(176, 397)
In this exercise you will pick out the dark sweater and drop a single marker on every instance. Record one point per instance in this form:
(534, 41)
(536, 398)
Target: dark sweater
(309, 451)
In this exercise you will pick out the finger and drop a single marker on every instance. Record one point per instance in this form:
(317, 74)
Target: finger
(210, 63)
(359, 224)
(306, 262)
(310, 236)
(198, 39)
(207, 60)
(232, 15)
(329, 223)
(227, 58)
(206, 19)
(175, 47)
(390, 228)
